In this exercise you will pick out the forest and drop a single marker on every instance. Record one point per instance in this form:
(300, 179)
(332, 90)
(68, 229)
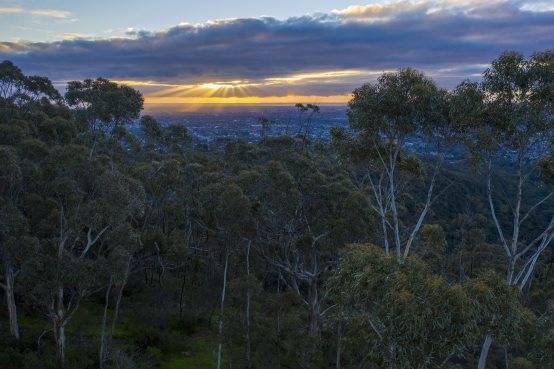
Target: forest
(124, 243)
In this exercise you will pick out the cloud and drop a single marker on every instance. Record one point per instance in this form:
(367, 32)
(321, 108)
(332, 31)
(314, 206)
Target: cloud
(51, 13)
(449, 39)
(10, 10)
(73, 36)
(47, 13)
(381, 12)
(539, 6)
(489, 9)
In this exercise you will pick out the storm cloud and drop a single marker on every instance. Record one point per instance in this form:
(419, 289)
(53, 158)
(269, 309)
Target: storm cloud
(450, 40)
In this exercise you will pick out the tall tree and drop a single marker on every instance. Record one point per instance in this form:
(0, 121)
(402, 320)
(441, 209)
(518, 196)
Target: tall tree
(400, 108)
(400, 315)
(513, 130)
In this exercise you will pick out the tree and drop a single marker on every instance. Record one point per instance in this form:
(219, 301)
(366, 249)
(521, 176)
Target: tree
(104, 105)
(227, 215)
(305, 116)
(513, 123)
(22, 91)
(400, 315)
(124, 243)
(88, 199)
(398, 109)
(13, 238)
(501, 314)
(12, 80)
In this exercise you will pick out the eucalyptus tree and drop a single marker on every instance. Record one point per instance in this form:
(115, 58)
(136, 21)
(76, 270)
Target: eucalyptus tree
(510, 125)
(306, 211)
(226, 214)
(404, 316)
(86, 200)
(12, 244)
(120, 248)
(104, 102)
(12, 229)
(104, 106)
(19, 93)
(400, 109)
(119, 203)
(400, 315)
(12, 80)
(31, 112)
(306, 114)
(38, 87)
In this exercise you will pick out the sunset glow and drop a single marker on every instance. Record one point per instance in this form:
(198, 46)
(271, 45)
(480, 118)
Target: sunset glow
(271, 90)
(260, 53)
(269, 100)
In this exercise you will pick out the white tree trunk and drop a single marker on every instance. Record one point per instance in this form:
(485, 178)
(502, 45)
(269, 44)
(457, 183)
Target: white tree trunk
(102, 355)
(424, 211)
(59, 328)
(248, 298)
(395, 220)
(120, 296)
(222, 307)
(315, 311)
(485, 351)
(10, 300)
(378, 194)
(59, 337)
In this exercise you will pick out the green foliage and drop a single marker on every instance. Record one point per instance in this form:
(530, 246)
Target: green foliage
(499, 307)
(134, 229)
(105, 101)
(401, 314)
(398, 105)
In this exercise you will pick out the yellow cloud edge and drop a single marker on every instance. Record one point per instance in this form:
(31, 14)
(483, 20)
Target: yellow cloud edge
(289, 99)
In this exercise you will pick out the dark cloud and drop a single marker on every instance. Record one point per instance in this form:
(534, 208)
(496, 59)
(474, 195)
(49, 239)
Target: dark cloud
(450, 39)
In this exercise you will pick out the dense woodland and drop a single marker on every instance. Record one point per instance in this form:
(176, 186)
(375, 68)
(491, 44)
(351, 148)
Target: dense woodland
(139, 248)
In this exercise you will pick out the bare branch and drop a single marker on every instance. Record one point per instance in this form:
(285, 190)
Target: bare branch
(424, 211)
(540, 237)
(535, 206)
(91, 241)
(493, 212)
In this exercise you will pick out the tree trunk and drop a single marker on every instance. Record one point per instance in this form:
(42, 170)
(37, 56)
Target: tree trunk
(385, 233)
(182, 296)
(423, 213)
(223, 290)
(10, 301)
(248, 297)
(120, 296)
(506, 358)
(485, 351)
(511, 270)
(59, 328)
(278, 322)
(314, 311)
(339, 345)
(395, 219)
(59, 337)
(102, 354)
(392, 355)
(378, 195)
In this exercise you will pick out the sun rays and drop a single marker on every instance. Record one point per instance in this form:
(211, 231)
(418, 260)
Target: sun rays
(271, 90)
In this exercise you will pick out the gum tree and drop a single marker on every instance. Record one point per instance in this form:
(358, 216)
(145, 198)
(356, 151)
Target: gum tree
(400, 315)
(399, 109)
(511, 129)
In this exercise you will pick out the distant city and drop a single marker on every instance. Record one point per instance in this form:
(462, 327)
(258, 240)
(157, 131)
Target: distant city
(212, 122)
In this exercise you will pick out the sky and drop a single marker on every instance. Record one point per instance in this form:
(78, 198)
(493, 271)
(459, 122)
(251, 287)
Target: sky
(267, 52)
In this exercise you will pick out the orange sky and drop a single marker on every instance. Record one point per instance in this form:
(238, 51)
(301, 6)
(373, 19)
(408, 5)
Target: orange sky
(289, 89)
(289, 99)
